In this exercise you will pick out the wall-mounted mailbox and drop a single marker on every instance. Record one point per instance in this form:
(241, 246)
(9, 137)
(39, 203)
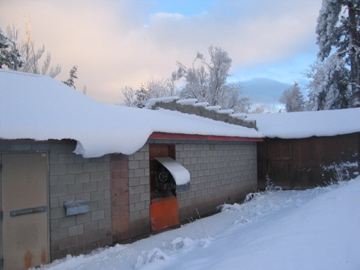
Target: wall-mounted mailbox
(76, 207)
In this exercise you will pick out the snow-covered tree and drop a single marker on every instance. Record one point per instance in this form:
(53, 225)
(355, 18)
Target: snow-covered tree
(9, 55)
(151, 89)
(142, 96)
(329, 86)
(338, 32)
(293, 99)
(207, 81)
(71, 81)
(32, 56)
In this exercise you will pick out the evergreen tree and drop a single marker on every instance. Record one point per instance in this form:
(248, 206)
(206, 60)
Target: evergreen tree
(151, 89)
(293, 99)
(9, 55)
(71, 81)
(329, 86)
(338, 30)
(142, 96)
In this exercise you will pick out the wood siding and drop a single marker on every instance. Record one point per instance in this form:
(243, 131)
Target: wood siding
(298, 163)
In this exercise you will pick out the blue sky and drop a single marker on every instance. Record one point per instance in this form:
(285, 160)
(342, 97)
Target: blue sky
(127, 42)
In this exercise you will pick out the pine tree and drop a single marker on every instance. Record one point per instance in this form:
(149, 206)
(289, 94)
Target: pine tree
(151, 89)
(71, 81)
(338, 29)
(9, 55)
(329, 86)
(293, 99)
(142, 96)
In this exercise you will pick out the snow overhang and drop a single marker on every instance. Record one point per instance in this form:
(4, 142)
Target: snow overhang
(180, 174)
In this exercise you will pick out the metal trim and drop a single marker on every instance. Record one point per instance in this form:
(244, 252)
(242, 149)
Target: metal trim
(27, 211)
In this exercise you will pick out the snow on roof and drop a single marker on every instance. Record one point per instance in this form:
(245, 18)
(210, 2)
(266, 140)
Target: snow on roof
(151, 102)
(41, 108)
(296, 125)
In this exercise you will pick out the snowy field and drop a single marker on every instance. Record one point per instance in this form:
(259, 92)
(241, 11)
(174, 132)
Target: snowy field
(311, 229)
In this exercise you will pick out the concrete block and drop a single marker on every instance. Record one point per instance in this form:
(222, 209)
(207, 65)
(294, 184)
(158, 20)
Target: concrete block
(97, 195)
(134, 181)
(96, 215)
(134, 164)
(74, 189)
(90, 167)
(58, 169)
(96, 176)
(56, 191)
(104, 185)
(59, 234)
(103, 167)
(91, 226)
(89, 187)
(66, 179)
(139, 172)
(82, 178)
(66, 158)
(74, 168)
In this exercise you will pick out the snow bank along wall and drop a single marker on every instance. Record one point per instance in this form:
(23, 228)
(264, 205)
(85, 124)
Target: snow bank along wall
(94, 202)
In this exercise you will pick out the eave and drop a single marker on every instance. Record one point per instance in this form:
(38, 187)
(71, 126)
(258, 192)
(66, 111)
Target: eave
(179, 136)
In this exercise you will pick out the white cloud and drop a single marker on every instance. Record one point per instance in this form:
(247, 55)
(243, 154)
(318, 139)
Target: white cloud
(112, 47)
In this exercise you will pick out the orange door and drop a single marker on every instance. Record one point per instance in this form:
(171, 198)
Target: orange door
(164, 213)
(25, 210)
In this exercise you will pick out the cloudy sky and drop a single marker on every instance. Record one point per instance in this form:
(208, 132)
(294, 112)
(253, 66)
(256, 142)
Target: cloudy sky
(117, 43)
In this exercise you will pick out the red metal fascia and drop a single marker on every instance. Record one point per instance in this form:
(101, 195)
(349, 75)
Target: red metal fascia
(178, 136)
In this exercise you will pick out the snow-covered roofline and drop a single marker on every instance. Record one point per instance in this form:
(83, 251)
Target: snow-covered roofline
(41, 108)
(296, 125)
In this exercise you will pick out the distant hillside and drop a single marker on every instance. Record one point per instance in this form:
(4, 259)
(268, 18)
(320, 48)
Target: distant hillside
(264, 92)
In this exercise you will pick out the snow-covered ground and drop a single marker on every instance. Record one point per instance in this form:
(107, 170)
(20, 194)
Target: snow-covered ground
(312, 229)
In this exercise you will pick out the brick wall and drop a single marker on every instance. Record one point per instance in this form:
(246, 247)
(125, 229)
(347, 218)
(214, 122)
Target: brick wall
(120, 197)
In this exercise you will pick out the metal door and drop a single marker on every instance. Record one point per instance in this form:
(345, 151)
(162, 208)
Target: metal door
(164, 204)
(25, 215)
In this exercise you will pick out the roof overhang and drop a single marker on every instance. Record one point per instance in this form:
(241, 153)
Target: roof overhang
(178, 136)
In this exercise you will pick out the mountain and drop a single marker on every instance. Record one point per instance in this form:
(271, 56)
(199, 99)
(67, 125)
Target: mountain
(264, 92)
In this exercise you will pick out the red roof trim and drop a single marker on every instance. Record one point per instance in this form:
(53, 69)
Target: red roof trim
(178, 136)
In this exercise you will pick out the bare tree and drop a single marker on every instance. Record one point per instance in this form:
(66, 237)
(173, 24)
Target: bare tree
(31, 55)
(208, 81)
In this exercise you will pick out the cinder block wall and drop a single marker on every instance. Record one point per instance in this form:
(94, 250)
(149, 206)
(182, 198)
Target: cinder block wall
(72, 177)
(139, 192)
(220, 173)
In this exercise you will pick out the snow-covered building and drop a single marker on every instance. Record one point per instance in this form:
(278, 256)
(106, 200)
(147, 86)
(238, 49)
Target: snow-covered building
(302, 149)
(77, 174)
